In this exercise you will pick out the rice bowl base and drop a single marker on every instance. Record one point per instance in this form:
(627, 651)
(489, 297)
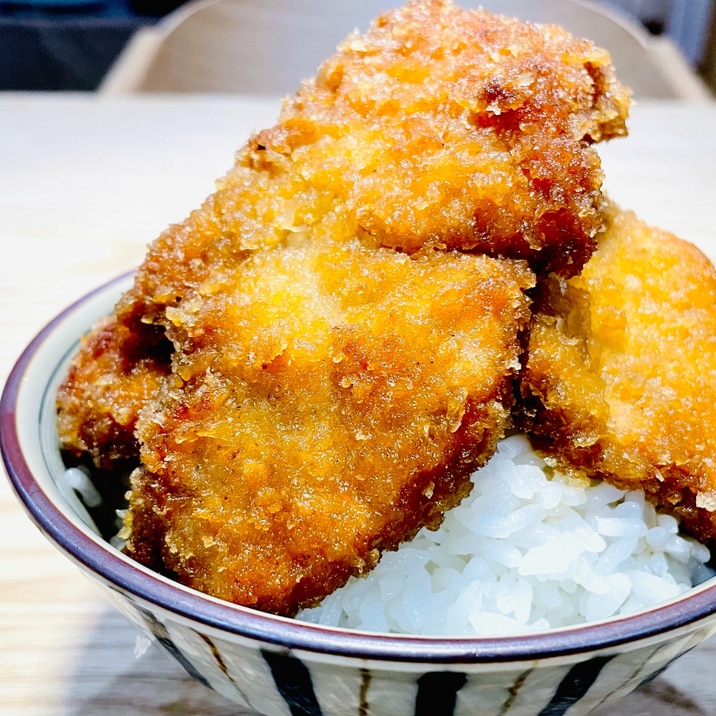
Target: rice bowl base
(273, 664)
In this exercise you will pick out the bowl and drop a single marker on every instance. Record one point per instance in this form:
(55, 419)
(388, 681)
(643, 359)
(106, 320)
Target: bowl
(276, 665)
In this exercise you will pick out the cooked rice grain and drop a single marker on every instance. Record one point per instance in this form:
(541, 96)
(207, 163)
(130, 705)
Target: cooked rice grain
(530, 549)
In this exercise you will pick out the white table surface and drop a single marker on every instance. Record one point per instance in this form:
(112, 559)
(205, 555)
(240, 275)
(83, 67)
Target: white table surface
(85, 183)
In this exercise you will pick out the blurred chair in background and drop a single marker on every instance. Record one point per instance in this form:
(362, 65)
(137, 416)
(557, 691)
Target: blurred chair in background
(708, 64)
(266, 47)
(61, 44)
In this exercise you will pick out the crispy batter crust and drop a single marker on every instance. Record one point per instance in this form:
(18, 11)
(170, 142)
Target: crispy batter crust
(620, 375)
(341, 403)
(438, 127)
(112, 377)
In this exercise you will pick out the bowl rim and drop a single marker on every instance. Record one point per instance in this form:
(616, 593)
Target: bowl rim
(120, 572)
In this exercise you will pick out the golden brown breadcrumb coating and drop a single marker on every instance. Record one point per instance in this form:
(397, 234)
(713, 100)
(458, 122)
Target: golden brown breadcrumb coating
(109, 381)
(438, 127)
(323, 413)
(621, 375)
(323, 365)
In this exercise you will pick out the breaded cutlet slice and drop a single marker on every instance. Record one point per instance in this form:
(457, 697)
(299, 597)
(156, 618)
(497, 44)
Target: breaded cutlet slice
(439, 127)
(332, 403)
(110, 379)
(620, 378)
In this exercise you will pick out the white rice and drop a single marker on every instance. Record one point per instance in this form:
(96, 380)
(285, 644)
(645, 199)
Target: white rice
(528, 550)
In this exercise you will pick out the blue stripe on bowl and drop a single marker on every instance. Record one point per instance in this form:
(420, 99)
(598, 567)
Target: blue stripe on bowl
(575, 685)
(437, 693)
(293, 681)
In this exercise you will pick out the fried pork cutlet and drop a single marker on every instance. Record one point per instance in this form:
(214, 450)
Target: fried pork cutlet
(440, 127)
(621, 375)
(331, 367)
(325, 412)
(113, 376)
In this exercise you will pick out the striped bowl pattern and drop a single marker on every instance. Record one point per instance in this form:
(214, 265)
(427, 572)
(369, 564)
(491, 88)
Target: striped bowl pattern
(282, 667)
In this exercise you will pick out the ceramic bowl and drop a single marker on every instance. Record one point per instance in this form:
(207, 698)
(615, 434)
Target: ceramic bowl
(280, 666)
